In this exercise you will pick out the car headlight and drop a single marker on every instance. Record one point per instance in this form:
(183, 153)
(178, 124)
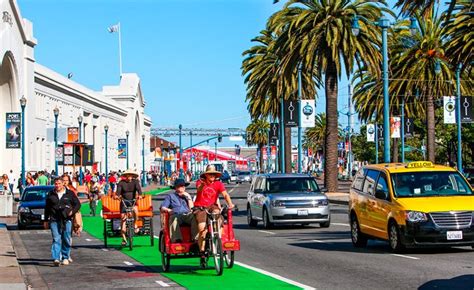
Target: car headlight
(278, 203)
(323, 202)
(416, 216)
(23, 210)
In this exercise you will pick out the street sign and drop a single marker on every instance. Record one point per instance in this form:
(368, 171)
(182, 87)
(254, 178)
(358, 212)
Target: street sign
(273, 133)
(291, 113)
(59, 154)
(340, 145)
(308, 113)
(370, 133)
(467, 110)
(409, 127)
(449, 110)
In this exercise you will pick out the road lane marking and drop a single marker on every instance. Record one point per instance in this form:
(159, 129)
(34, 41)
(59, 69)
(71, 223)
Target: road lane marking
(230, 191)
(105, 250)
(266, 232)
(156, 237)
(127, 263)
(163, 284)
(319, 241)
(276, 276)
(89, 240)
(404, 256)
(340, 224)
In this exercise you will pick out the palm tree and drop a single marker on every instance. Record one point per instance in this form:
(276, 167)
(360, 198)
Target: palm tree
(315, 137)
(461, 34)
(266, 85)
(423, 7)
(317, 35)
(257, 134)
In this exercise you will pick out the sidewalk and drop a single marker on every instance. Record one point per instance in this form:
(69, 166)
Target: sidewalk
(10, 273)
(338, 197)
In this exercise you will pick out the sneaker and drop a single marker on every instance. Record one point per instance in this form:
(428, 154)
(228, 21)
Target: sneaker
(70, 260)
(65, 262)
(57, 263)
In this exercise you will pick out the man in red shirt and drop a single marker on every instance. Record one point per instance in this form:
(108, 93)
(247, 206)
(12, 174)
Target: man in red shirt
(208, 190)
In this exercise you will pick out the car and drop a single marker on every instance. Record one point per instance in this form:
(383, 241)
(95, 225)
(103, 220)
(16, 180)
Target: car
(417, 204)
(31, 206)
(233, 176)
(287, 199)
(225, 177)
(469, 174)
(243, 176)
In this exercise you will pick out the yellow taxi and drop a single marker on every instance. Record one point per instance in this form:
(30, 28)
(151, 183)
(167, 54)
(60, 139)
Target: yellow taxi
(411, 205)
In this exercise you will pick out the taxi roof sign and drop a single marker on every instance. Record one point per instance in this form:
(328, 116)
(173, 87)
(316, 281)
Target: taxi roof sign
(420, 164)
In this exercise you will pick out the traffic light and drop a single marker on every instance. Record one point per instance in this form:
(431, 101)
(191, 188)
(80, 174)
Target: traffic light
(219, 138)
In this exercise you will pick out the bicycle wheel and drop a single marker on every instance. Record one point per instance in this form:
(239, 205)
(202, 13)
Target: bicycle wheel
(218, 255)
(130, 233)
(165, 258)
(105, 233)
(229, 259)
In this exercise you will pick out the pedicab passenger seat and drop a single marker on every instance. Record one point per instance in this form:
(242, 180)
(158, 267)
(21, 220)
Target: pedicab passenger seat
(145, 206)
(110, 207)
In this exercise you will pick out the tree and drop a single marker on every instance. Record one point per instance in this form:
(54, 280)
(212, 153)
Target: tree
(257, 134)
(317, 36)
(461, 34)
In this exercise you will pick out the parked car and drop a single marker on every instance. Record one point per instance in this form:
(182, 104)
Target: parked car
(411, 205)
(31, 206)
(233, 176)
(225, 177)
(287, 199)
(243, 176)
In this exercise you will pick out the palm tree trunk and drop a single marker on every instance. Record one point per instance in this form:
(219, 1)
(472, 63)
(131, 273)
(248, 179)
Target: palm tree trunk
(395, 150)
(287, 150)
(260, 159)
(330, 164)
(430, 124)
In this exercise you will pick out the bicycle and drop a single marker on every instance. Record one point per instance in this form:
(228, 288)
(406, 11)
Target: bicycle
(129, 221)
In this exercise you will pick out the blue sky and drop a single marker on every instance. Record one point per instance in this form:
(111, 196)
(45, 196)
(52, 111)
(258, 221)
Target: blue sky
(186, 52)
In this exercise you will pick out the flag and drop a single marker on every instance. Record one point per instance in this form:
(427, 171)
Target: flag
(114, 28)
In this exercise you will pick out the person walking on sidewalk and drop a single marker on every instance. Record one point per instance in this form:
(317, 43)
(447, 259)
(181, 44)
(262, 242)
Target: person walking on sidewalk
(61, 205)
(178, 204)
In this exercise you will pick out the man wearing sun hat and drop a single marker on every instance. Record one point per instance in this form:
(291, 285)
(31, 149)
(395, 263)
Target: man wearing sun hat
(208, 190)
(128, 189)
(178, 204)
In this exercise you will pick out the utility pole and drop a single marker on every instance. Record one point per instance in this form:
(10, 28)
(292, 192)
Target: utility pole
(349, 133)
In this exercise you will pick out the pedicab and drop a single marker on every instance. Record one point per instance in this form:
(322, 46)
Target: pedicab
(113, 223)
(220, 244)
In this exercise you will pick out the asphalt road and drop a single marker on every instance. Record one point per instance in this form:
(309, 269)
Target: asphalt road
(326, 259)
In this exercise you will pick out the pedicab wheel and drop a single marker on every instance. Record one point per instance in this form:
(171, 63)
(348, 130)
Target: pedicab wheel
(229, 259)
(218, 255)
(130, 232)
(105, 233)
(152, 237)
(165, 258)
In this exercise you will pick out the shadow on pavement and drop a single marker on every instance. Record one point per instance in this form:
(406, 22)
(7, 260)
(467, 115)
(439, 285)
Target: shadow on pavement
(464, 282)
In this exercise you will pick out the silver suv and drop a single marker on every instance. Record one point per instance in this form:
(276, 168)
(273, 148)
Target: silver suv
(286, 199)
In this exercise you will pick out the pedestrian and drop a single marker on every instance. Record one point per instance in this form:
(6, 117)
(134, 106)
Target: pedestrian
(42, 179)
(94, 191)
(11, 180)
(61, 205)
(77, 224)
(178, 204)
(30, 180)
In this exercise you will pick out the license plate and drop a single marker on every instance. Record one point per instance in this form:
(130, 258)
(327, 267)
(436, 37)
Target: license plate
(454, 235)
(302, 212)
(42, 217)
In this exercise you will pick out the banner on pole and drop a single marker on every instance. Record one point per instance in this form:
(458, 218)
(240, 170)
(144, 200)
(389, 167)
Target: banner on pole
(13, 129)
(379, 132)
(264, 153)
(291, 113)
(467, 111)
(273, 152)
(308, 111)
(72, 134)
(370, 133)
(449, 110)
(395, 123)
(409, 127)
(122, 148)
(273, 133)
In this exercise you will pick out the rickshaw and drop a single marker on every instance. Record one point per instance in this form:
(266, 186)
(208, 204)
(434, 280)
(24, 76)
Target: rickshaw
(220, 244)
(113, 223)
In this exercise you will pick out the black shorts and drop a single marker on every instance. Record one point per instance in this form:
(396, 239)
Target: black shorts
(127, 202)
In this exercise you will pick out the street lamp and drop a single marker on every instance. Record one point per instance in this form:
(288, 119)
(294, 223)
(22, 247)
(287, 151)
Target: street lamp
(23, 105)
(56, 114)
(458, 115)
(300, 147)
(191, 146)
(106, 128)
(181, 171)
(384, 24)
(127, 133)
(143, 162)
(80, 119)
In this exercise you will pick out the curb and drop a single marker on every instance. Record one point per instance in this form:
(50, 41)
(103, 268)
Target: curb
(338, 201)
(10, 272)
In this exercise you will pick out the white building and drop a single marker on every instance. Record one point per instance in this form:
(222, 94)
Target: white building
(119, 107)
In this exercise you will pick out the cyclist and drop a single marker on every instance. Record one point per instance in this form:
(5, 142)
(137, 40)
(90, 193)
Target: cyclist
(208, 190)
(128, 190)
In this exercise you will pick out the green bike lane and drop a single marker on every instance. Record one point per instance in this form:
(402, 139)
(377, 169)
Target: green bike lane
(187, 272)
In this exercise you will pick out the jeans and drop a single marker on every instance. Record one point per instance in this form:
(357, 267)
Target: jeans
(61, 248)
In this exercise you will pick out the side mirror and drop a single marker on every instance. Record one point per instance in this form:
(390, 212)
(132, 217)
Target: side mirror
(323, 190)
(380, 194)
(258, 190)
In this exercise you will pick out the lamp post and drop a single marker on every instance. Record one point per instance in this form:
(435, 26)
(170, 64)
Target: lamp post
(181, 174)
(300, 162)
(384, 24)
(458, 115)
(127, 133)
(191, 145)
(56, 114)
(23, 105)
(215, 151)
(143, 162)
(80, 119)
(106, 128)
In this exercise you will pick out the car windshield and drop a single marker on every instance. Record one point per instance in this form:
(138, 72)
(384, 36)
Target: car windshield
(244, 173)
(431, 183)
(277, 185)
(35, 195)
